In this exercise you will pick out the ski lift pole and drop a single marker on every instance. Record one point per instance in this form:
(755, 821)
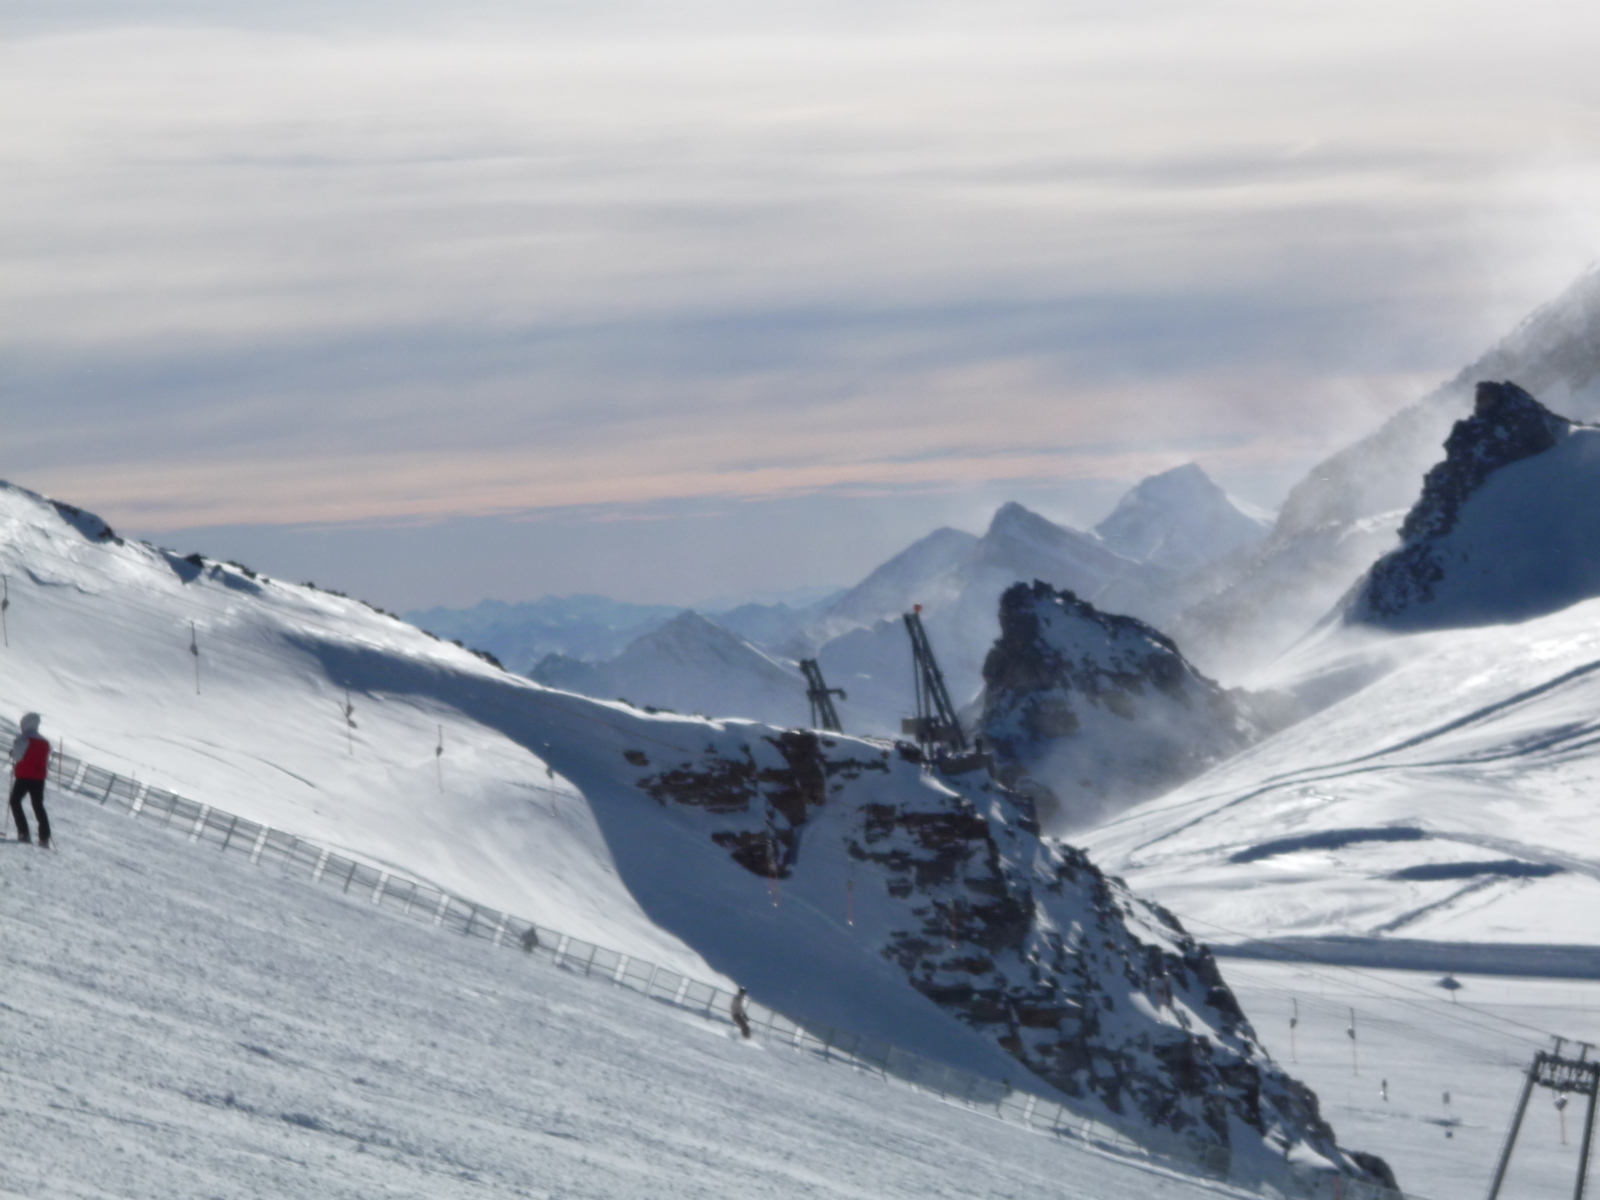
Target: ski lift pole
(349, 711)
(1355, 1064)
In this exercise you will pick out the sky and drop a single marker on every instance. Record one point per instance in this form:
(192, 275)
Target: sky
(440, 303)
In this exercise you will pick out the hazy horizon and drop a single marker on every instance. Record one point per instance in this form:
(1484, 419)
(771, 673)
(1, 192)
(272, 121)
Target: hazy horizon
(664, 302)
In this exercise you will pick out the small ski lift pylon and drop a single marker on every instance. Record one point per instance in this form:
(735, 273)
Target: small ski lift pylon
(935, 726)
(823, 714)
(1561, 1073)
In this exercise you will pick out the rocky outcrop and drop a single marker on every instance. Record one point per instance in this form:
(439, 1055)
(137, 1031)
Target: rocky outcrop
(1090, 712)
(1099, 994)
(1459, 531)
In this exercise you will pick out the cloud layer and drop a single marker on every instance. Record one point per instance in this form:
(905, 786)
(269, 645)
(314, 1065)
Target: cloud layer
(287, 267)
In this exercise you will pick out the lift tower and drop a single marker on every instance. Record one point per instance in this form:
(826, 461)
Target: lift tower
(1560, 1073)
(823, 714)
(935, 726)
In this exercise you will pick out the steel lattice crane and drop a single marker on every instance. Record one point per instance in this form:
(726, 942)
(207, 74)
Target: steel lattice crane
(935, 726)
(823, 714)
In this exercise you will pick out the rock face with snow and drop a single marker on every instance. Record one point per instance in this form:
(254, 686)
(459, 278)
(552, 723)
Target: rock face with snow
(690, 664)
(958, 580)
(1096, 993)
(1507, 527)
(1181, 520)
(1344, 514)
(1092, 712)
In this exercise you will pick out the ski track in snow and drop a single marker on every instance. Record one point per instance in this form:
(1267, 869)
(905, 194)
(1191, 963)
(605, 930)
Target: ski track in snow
(177, 1025)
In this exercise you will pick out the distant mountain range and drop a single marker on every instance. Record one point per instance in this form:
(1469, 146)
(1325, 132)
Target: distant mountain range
(742, 661)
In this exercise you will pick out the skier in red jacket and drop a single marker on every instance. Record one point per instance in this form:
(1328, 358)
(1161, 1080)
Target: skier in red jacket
(30, 764)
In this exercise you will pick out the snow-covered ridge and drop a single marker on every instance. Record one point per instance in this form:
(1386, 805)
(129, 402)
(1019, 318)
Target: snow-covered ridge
(1508, 525)
(1338, 520)
(1442, 795)
(942, 880)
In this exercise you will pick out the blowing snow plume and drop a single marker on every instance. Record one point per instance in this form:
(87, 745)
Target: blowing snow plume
(1507, 528)
(1091, 712)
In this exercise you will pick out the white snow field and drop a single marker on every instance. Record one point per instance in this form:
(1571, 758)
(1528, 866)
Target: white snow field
(1449, 797)
(179, 1023)
(1411, 1037)
(97, 639)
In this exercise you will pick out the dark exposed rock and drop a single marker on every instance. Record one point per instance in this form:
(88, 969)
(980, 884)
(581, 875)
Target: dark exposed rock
(1091, 711)
(1507, 426)
(1100, 995)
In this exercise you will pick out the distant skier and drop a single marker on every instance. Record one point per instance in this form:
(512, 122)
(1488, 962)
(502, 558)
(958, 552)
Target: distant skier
(30, 765)
(740, 1018)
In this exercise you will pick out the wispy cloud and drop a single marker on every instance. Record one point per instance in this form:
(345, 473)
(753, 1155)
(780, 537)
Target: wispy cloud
(389, 266)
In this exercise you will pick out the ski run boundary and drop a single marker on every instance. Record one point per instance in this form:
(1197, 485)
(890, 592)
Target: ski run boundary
(402, 895)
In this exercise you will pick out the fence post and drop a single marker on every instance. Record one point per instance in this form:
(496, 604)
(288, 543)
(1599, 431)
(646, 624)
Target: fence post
(380, 887)
(232, 825)
(260, 844)
(199, 822)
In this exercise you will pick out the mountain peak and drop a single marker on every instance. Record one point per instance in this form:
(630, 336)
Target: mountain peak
(1180, 519)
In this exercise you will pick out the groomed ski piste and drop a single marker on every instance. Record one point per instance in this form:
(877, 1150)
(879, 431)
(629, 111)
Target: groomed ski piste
(179, 1023)
(183, 1022)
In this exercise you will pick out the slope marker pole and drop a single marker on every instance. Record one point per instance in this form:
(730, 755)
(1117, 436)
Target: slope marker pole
(194, 649)
(438, 759)
(349, 722)
(1355, 1064)
(5, 603)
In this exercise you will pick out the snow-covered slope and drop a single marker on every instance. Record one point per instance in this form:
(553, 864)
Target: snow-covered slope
(542, 799)
(178, 1024)
(927, 572)
(1508, 525)
(98, 636)
(691, 665)
(519, 635)
(1338, 520)
(833, 868)
(1446, 797)
(1181, 520)
(1094, 712)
